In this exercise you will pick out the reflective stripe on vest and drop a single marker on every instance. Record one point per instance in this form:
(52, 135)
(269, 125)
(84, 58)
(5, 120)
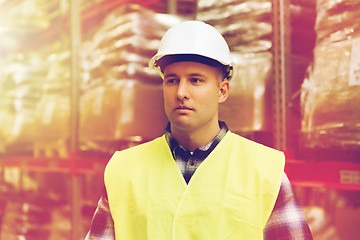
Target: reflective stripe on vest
(230, 196)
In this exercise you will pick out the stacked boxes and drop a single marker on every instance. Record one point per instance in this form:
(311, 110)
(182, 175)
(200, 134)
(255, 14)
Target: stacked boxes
(246, 26)
(330, 95)
(52, 115)
(35, 108)
(20, 91)
(24, 76)
(121, 97)
(28, 14)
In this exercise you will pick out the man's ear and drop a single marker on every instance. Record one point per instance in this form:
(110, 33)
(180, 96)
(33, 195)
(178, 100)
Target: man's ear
(224, 88)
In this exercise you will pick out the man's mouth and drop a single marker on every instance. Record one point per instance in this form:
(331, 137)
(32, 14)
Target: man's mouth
(183, 109)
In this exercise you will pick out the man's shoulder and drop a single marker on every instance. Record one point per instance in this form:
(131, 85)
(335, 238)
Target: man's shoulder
(133, 153)
(260, 154)
(251, 144)
(142, 146)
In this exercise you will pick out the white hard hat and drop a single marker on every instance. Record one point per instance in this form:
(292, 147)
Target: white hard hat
(197, 39)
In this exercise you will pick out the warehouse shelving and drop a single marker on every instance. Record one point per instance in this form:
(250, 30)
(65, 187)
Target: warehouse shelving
(320, 174)
(74, 24)
(325, 173)
(74, 164)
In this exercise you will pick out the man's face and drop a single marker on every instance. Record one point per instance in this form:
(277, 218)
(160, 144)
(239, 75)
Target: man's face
(192, 92)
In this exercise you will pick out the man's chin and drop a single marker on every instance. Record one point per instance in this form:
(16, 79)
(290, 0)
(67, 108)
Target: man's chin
(182, 123)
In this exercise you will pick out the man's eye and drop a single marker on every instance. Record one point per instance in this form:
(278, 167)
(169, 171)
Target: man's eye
(170, 81)
(196, 80)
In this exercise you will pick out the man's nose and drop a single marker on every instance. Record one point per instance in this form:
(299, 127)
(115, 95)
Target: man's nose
(182, 90)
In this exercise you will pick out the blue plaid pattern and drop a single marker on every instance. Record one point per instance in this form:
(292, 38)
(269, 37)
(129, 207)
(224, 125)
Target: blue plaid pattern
(188, 161)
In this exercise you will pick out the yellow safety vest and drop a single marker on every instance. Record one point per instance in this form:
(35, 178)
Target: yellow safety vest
(230, 196)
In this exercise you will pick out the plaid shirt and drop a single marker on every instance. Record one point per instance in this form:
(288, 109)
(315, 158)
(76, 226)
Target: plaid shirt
(286, 222)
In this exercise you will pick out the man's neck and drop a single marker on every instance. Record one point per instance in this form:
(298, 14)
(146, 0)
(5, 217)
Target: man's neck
(192, 140)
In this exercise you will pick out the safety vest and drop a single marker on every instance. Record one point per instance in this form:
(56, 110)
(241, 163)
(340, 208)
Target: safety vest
(230, 196)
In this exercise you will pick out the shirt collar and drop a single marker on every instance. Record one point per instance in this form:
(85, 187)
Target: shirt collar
(204, 150)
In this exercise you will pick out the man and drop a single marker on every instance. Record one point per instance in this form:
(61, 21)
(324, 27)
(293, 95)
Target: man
(199, 180)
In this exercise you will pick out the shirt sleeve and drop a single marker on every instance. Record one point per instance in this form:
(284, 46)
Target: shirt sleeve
(287, 220)
(102, 225)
